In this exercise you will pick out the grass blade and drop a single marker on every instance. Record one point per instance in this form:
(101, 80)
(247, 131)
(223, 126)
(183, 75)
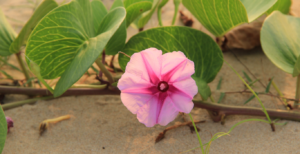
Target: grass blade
(219, 84)
(269, 85)
(247, 76)
(221, 98)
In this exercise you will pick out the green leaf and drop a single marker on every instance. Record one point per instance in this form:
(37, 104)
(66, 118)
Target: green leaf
(3, 129)
(7, 35)
(219, 84)
(117, 41)
(65, 42)
(145, 17)
(280, 40)
(203, 88)
(35, 69)
(45, 7)
(256, 8)
(248, 100)
(135, 8)
(217, 16)
(269, 85)
(221, 97)
(7, 75)
(281, 5)
(247, 77)
(196, 45)
(251, 83)
(99, 11)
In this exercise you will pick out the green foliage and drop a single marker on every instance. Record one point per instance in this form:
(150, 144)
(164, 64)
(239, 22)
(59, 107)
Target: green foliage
(117, 41)
(247, 77)
(196, 45)
(218, 16)
(161, 4)
(268, 86)
(203, 88)
(135, 8)
(219, 84)
(45, 7)
(3, 129)
(256, 8)
(142, 20)
(248, 100)
(7, 35)
(66, 42)
(221, 97)
(280, 41)
(281, 5)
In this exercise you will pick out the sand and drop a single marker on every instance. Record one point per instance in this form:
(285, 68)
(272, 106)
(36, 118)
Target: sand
(102, 124)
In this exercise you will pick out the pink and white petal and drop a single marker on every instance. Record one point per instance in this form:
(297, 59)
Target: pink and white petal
(167, 113)
(147, 114)
(136, 67)
(132, 81)
(187, 86)
(176, 66)
(181, 101)
(134, 101)
(152, 59)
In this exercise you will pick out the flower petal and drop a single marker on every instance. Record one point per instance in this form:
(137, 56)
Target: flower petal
(176, 67)
(187, 86)
(132, 81)
(134, 101)
(147, 114)
(181, 100)
(152, 60)
(168, 112)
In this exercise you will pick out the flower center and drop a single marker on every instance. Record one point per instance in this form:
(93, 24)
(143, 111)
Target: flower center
(163, 86)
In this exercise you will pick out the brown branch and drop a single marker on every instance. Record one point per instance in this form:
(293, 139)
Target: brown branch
(162, 134)
(220, 111)
(46, 92)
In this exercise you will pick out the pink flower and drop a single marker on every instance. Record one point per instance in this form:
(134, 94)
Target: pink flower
(157, 87)
(10, 123)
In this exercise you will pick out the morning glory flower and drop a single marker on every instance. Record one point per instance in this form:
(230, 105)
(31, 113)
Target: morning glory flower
(10, 123)
(158, 86)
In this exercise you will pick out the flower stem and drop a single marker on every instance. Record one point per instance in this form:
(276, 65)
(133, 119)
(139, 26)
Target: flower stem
(176, 3)
(21, 62)
(104, 70)
(89, 86)
(279, 92)
(23, 102)
(200, 142)
(297, 92)
(212, 98)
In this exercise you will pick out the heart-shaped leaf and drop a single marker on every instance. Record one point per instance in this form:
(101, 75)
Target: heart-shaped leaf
(135, 8)
(3, 129)
(203, 88)
(65, 42)
(217, 16)
(45, 7)
(196, 45)
(281, 5)
(280, 40)
(7, 35)
(256, 8)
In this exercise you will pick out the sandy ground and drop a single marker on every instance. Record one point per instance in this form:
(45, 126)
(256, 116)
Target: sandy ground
(102, 124)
